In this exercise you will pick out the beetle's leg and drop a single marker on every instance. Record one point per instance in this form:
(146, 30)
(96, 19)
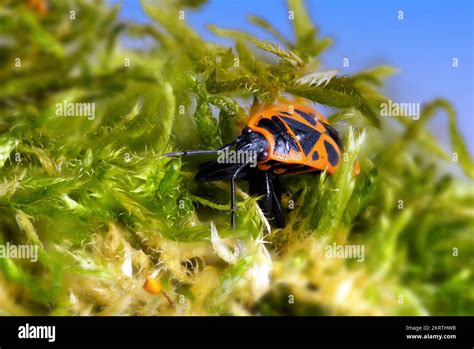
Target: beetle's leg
(267, 185)
(232, 193)
(267, 200)
(273, 196)
(259, 185)
(196, 152)
(276, 199)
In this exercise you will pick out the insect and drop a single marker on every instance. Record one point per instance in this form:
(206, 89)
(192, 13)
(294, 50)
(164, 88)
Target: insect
(284, 139)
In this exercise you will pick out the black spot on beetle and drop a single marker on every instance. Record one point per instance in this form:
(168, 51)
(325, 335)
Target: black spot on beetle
(268, 125)
(315, 155)
(334, 135)
(306, 135)
(333, 156)
(307, 117)
(284, 142)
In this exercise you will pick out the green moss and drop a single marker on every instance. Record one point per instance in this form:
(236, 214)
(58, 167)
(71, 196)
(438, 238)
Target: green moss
(107, 210)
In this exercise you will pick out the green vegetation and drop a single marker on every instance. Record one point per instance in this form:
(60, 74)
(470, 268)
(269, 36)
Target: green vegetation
(107, 210)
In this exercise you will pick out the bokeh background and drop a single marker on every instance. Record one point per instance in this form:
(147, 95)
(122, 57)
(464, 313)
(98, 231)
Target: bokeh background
(422, 46)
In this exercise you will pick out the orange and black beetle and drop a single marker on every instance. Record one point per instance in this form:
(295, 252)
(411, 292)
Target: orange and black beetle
(286, 139)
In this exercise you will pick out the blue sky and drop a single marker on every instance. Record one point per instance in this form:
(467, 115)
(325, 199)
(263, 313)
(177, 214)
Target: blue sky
(422, 45)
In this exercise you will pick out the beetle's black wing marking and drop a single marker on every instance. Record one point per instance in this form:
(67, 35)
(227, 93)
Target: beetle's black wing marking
(267, 185)
(284, 142)
(307, 117)
(333, 156)
(334, 135)
(214, 171)
(306, 135)
(290, 142)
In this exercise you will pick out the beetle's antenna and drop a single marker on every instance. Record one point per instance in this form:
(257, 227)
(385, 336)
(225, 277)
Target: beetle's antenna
(191, 152)
(197, 152)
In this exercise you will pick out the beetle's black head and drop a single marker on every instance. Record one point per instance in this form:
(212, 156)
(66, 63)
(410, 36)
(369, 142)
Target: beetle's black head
(254, 142)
